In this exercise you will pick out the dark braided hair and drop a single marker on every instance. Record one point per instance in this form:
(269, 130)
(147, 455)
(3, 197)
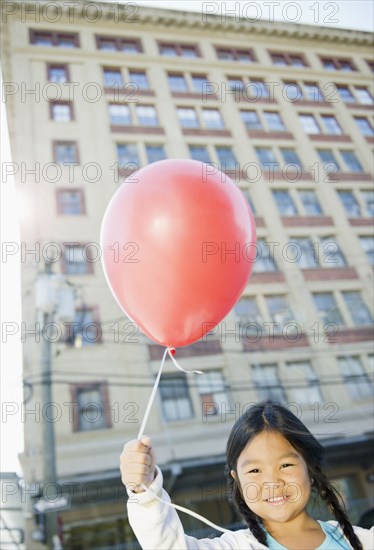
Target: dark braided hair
(270, 416)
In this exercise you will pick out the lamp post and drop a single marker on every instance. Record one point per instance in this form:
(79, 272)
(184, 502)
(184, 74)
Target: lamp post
(45, 303)
(50, 289)
(49, 455)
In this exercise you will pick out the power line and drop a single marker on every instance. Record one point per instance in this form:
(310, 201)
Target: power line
(357, 379)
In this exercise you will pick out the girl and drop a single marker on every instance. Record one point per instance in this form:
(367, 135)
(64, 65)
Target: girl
(273, 465)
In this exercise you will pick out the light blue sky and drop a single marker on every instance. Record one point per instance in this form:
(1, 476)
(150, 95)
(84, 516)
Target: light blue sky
(350, 14)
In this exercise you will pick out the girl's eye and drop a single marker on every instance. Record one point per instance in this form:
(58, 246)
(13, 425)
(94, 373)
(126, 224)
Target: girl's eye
(254, 471)
(286, 465)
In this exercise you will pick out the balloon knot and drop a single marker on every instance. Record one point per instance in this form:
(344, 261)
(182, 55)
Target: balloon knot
(172, 351)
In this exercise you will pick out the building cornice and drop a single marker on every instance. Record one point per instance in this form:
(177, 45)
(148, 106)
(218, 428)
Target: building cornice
(159, 17)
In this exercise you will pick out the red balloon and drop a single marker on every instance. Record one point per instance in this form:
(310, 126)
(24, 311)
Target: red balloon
(178, 241)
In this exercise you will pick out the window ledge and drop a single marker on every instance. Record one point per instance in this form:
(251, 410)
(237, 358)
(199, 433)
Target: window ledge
(349, 335)
(136, 129)
(304, 221)
(269, 135)
(206, 132)
(329, 273)
(336, 177)
(329, 137)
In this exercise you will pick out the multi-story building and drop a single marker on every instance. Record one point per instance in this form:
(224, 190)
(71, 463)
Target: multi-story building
(94, 91)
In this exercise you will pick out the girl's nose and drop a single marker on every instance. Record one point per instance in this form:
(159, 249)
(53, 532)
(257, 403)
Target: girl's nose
(272, 488)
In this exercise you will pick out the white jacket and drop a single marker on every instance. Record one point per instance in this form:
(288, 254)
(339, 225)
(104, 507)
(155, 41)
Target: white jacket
(158, 527)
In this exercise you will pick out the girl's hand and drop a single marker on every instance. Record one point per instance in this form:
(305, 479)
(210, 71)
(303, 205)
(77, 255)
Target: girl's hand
(138, 464)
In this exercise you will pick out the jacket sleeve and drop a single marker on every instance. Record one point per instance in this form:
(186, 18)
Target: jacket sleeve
(366, 537)
(157, 526)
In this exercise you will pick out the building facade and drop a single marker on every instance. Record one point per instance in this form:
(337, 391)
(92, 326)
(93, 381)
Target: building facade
(95, 91)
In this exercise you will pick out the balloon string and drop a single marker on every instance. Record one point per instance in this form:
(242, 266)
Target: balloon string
(186, 511)
(179, 367)
(152, 397)
(169, 351)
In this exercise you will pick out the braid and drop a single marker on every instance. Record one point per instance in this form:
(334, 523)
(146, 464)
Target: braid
(330, 496)
(253, 521)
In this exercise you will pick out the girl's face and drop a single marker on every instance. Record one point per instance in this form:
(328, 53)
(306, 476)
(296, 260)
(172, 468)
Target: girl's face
(274, 478)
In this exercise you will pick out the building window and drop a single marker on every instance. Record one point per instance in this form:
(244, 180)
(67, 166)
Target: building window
(367, 244)
(335, 64)
(188, 117)
(54, 39)
(330, 164)
(310, 202)
(266, 157)
(309, 124)
(183, 50)
(267, 382)
(212, 119)
(279, 310)
(332, 126)
(293, 91)
(284, 59)
(139, 79)
(264, 261)
(226, 157)
(93, 406)
(112, 77)
(304, 377)
(365, 126)
(65, 152)
(313, 92)
(200, 153)
(77, 259)
(175, 397)
(259, 89)
(85, 329)
(351, 161)
(119, 114)
(155, 152)
(291, 157)
(364, 96)
(355, 378)
(331, 253)
(234, 54)
(285, 203)
(368, 198)
(249, 315)
(235, 83)
(274, 122)
(146, 115)
(61, 111)
(41, 38)
(357, 308)
(70, 202)
(302, 252)
(350, 203)
(212, 391)
(345, 94)
(327, 308)
(250, 201)
(177, 82)
(113, 44)
(199, 83)
(251, 120)
(127, 153)
(57, 73)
